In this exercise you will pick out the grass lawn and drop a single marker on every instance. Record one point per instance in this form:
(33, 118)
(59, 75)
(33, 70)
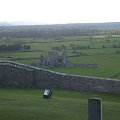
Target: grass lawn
(27, 104)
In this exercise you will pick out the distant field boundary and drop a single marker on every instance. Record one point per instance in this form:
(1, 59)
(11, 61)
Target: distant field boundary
(13, 74)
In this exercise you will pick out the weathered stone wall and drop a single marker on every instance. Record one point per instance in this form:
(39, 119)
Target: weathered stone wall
(15, 75)
(19, 75)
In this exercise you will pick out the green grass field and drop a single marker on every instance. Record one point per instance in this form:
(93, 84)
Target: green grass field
(28, 104)
(104, 69)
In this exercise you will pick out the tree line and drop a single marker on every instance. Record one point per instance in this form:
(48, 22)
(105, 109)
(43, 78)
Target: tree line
(14, 47)
(47, 31)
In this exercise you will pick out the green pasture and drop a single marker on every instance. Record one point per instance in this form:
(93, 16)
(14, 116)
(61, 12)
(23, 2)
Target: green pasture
(100, 52)
(28, 104)
(29, 61)
(97, 72)
(104, 69)
(21, 54)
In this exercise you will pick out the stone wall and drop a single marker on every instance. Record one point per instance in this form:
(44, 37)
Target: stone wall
(19, 75)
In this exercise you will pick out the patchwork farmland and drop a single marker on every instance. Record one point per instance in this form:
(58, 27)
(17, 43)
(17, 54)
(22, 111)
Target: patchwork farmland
(79, 49)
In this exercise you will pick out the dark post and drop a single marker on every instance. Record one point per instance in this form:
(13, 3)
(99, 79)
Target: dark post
(94, 109)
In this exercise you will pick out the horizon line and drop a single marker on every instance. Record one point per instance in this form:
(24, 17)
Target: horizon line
(20, 23)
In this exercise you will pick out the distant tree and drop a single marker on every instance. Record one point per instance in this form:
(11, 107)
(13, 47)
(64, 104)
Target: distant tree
(72, 45)
(63, 47)
(26, 47)
(75, 51)
(15, 47)
(57, 48)
(108, 36)
(104, 46)
(114, 46)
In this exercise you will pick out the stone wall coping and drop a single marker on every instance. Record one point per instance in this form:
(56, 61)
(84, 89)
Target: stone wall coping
(28, 67)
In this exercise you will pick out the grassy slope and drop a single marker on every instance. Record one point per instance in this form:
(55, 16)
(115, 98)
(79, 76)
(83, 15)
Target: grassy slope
(27, 104)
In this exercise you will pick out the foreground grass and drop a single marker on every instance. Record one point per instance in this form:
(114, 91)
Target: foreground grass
(27, 104)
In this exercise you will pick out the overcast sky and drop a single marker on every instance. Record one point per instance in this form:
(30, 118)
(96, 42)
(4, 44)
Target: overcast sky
(60, 11)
